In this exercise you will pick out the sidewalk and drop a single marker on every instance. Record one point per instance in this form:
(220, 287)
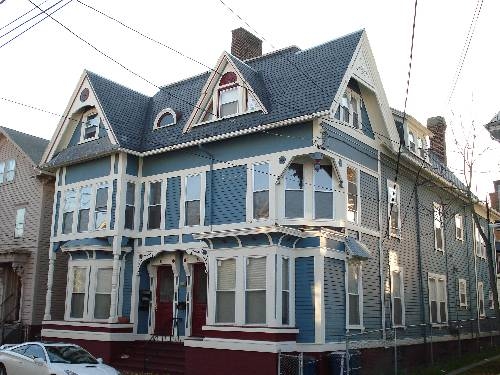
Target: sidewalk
(474, 365)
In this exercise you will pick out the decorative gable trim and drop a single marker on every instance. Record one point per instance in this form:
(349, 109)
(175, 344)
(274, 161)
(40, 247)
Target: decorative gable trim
(83, 93)
(208, 89)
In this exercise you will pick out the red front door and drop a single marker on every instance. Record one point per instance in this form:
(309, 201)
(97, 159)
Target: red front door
(199, 299)
(164, 300)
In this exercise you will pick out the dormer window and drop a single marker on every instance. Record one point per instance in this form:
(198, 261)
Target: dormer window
(349, 109)
(165, 118)
(228, 102)
(90, 126)
(411, 142)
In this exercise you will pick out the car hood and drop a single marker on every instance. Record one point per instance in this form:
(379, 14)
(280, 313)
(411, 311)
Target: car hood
(84, 369)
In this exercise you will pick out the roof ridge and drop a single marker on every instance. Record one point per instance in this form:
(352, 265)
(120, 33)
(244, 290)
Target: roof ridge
(23, 133)
(331, 40)
(115, 83)
(184, 80)
(272, 53)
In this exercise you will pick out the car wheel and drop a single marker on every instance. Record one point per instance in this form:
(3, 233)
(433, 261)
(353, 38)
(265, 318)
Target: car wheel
(3, 371)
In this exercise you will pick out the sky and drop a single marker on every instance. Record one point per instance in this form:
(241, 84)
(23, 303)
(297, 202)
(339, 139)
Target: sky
(42, 67)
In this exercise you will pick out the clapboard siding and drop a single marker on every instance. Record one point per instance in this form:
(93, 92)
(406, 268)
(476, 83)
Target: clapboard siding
(335, 293)
(369, 200)
(304, 299)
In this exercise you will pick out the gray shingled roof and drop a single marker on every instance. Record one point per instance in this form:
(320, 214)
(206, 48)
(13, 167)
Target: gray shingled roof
(33, 146)
(289, 82)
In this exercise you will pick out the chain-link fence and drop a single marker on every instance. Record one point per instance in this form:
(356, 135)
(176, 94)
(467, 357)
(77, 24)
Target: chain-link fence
(396, 350)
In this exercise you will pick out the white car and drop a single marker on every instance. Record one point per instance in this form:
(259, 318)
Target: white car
(36, 358)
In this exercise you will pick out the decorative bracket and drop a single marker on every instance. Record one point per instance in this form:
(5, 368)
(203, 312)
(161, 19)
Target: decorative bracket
(200, 253)
(146, 257)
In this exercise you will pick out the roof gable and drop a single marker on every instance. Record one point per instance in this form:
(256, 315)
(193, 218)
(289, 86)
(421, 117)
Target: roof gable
(33, 147)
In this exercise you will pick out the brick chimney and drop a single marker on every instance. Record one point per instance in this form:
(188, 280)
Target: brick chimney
(437, 125)
(245, 45)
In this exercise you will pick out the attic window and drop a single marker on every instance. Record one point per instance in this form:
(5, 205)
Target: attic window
(165, 118)
(228, 78)
(90, 126)
(229, 101)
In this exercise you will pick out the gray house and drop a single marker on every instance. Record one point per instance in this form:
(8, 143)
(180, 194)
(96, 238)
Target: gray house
(26, 197)
(273, 204)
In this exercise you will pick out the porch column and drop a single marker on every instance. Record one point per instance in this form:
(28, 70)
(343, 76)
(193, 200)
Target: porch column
(113, 313)
(50, 282)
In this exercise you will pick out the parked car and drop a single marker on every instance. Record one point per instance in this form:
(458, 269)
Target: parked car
(37, 358)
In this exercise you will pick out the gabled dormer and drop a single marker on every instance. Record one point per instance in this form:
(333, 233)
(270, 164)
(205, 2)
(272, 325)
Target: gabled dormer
(414, 134)
(232, 89)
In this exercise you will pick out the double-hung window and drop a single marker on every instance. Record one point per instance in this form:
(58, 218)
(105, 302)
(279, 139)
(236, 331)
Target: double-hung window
(84, 210)
(437, 299)
(355, 112)
(91, 126)
(285, 291)
(225, 291)
(294, 191)
(68, 210)
(438, 227)
(354, 294)
(323, 192)
(398, 307)
(78, 292)
(229, 101)
(154, 207)
(480, 298)
(101, 208)
(344, 108)
(393, 208)
(479, 245)
(491, 305)
(261, 191)
(10, 170)
(130, 206)
(462, 292)
(255, 291)
(2, 171)
(421, 147)
(411, 142)
(19, 228)
(459, 227)
(352, 195)
(192, 206)
(102, 299)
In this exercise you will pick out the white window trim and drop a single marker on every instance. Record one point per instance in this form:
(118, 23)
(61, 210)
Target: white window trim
(250, 290)
(437, 206)
(402, 294)
(350, 94)
(437, 277)
(134, 221)
(360, 299)
(307, 176)
(317, 188)
(17, 233)
(462, 284)
(147, 194)
(7, 170)
(491, 305)
(478, 240)
(84, 121)
(480, 297)
(461, 220)
(2, 172)
(250, 189)
(279, 287)
(156, 124)
(391, 185)
(91, 265)
(358, 195)
(108, 205)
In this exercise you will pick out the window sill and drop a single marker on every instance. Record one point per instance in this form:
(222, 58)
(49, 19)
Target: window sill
(356, 327)
(439, 325)
(440, 250)
(82, 141)
(226, 117)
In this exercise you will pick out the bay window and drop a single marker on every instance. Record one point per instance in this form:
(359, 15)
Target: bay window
(438, 227)
(352, 195)
(323, 192)
(154, 207)
(294, 191)
(354, 294)
(255, 291)
(225, 291)
(83, 212)
(285, 291)
(101, 208)
(89, 290)
(438, 304)
(68, 210)
(130, 206)
(261, 191)
(192, 205)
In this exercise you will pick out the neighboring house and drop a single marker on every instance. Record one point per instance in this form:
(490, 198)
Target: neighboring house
(245, 210)
(494, 127)
(26, 197)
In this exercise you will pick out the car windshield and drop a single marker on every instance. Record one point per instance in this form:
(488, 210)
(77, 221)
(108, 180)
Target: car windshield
(69, 354)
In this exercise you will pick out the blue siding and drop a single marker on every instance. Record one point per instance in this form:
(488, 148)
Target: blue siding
(294, 136)
(151, 241)
(172, 210)
(369, 200)
(141, 206)
(254, 240)
(127, 284)
(171, 239)
(366, 124)
(224, 242)
(188, 238)
(75, 138)
(103, 254)
(113, 205)
(334, 299)
(308, 242)
(143, 315)
(226, 200)
(56, 216)
(350, 147)
(304, 299)
(132, 165)
(89, 170)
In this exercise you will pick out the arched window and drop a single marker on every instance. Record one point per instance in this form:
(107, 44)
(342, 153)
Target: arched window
(165, 118)
(228, 78)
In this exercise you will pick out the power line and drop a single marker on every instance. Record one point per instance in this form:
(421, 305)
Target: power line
(465, 49)
(21, 16)
(36, 23)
